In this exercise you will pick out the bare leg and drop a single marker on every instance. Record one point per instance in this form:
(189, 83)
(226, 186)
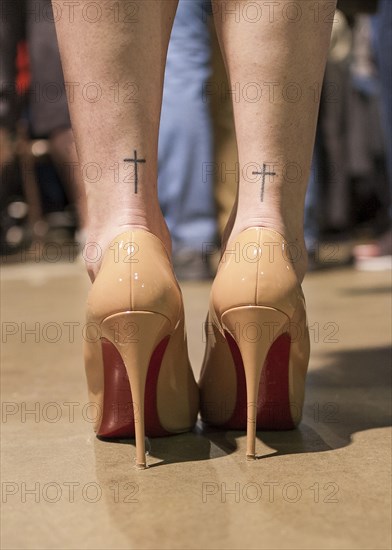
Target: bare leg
(275, 60)
(63, 152)
(123, 54)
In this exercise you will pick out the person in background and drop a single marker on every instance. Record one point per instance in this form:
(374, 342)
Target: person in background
(185, 153)
(378, 255)
(47, 105)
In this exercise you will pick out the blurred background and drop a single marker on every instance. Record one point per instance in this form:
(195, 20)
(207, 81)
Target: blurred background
(348, 204)
(338, 461)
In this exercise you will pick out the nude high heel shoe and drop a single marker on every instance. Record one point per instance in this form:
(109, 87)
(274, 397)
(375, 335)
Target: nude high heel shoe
(257, 352)
(136, 358)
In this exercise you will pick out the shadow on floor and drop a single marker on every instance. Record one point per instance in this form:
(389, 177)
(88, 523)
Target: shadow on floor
(348, 395)
(351, 393)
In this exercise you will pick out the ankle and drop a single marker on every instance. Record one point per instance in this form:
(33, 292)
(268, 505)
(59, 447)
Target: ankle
(100, 235)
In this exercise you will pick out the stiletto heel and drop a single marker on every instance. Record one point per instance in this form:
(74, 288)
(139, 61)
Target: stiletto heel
(136, 335)
(138, 371)
(256, 359)
(250, 328)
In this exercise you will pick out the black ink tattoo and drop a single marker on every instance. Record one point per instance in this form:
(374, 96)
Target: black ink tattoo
(135, 160)
(263, 173)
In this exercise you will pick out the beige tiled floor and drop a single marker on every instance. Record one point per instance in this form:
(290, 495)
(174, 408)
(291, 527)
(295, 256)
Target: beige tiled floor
(325, 485)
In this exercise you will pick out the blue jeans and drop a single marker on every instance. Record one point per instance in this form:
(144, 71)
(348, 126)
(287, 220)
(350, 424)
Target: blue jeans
(185, 141)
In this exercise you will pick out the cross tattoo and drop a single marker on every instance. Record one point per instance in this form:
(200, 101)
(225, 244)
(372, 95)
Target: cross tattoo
(263, 173)
(135, 160)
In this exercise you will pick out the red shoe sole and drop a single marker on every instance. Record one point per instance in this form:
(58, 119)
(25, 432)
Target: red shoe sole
(273, 402)
(118, 408)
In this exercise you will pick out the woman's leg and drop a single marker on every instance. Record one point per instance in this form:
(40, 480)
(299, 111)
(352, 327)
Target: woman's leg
(113, 57)
(63, 153)
(275, 55)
